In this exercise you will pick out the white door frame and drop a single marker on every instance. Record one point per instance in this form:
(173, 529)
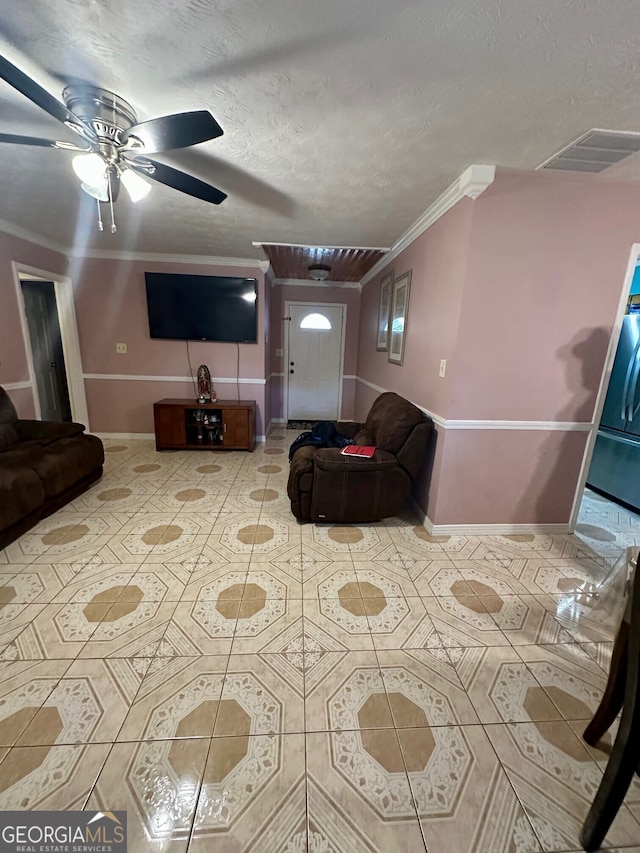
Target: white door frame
(634, 256)
(63, 290)
(311, 305)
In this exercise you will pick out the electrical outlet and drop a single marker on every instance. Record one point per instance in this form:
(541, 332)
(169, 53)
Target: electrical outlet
(121, 348)
(278, 353)
(443, 367)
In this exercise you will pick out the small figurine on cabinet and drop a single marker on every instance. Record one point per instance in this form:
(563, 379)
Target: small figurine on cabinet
(205, 392)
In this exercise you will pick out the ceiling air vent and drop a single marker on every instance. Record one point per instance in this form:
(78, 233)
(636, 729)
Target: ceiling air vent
(594, 151)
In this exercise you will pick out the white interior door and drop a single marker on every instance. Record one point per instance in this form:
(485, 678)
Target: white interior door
(314, 363)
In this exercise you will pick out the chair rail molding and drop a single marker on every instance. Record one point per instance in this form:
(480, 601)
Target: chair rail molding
(444, 424)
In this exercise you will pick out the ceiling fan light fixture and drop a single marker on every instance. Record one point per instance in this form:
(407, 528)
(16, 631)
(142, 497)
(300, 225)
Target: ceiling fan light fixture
(319, 272)
(90, 168)
(136, 186)
(100, 191)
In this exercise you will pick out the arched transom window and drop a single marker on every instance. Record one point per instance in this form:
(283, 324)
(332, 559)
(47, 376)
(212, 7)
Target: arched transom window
(315, 321)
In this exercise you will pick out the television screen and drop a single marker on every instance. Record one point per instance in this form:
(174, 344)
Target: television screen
(202, 307)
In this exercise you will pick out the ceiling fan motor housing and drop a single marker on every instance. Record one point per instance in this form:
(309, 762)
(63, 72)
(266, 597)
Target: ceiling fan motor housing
(106, 113)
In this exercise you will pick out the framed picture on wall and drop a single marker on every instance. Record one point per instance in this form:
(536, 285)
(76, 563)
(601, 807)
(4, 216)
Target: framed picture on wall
(386, 290)
(399, 313)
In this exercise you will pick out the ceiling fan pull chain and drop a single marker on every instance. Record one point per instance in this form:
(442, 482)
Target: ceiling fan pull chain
(113, 221)
(99, 216)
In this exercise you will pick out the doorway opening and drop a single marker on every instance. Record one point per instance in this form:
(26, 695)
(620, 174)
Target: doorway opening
(41, 311)
(52, 348)
(606, 512)
(314, 356)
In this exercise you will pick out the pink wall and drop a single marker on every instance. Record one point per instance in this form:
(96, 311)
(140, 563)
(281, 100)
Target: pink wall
(349, 296)
(437, 260)
(505, 476)
(526, 280)
(13, 347)
(547, 258)
(22, 399)
(111, 307)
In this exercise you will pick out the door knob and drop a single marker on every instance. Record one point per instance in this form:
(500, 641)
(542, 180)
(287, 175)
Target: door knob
(53, 364)
(292, 371)
(291, 363)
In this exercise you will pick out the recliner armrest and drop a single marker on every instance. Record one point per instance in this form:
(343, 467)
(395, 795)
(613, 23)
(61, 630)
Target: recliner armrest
(47, 432)
(302, 461)
(331, 459)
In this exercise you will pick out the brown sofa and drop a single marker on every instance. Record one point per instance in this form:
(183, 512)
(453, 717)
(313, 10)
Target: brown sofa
(324, 485)
(43, 465)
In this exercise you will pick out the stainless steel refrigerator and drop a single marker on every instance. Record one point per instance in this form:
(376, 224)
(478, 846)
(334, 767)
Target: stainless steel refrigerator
(615, 467)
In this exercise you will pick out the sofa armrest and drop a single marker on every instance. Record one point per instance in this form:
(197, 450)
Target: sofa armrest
(47, 432)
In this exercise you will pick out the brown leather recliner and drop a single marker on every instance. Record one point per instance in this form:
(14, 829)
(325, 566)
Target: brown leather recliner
(324, 485)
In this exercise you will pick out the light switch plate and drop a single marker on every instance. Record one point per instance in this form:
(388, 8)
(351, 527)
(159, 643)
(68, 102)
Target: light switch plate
(443, 367)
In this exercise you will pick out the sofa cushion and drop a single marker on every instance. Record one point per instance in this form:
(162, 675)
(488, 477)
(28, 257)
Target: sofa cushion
(21, 494)
(66, 462)
(47, 432)
(391, 420)
(8, 436)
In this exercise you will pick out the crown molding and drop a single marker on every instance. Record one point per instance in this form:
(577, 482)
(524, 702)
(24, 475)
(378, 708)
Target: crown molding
(260, 244)
(151, 257)
(24, 234)
(471, 184)
(71, 252)
(300, 282)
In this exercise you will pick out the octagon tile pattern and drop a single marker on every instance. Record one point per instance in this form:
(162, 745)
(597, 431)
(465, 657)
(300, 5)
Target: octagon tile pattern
(174, 644)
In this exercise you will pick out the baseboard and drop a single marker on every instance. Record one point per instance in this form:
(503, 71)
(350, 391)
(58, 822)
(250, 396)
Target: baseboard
(486, 529)
(494, 529)
(125, 435)
(128, 436)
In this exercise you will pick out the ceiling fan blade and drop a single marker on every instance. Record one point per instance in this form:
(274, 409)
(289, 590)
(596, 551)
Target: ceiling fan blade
(41, 143)
(32, 90)
(177, 179)
(175, 131)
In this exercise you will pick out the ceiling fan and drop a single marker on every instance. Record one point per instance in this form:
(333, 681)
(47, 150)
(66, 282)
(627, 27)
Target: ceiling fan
(113, 146)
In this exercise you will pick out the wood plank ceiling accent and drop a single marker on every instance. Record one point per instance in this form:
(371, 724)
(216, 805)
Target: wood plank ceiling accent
(293, 262)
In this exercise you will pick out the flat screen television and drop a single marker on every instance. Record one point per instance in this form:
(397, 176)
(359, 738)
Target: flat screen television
(202, 307)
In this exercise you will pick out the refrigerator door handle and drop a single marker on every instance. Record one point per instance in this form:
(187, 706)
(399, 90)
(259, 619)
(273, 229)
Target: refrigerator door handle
(625, 390)
(631, 396)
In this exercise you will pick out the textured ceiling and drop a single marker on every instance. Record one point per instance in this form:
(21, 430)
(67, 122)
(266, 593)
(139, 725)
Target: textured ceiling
(343, 121)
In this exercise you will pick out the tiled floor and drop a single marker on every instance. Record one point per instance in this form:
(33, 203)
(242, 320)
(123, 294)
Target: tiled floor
(174, 644)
